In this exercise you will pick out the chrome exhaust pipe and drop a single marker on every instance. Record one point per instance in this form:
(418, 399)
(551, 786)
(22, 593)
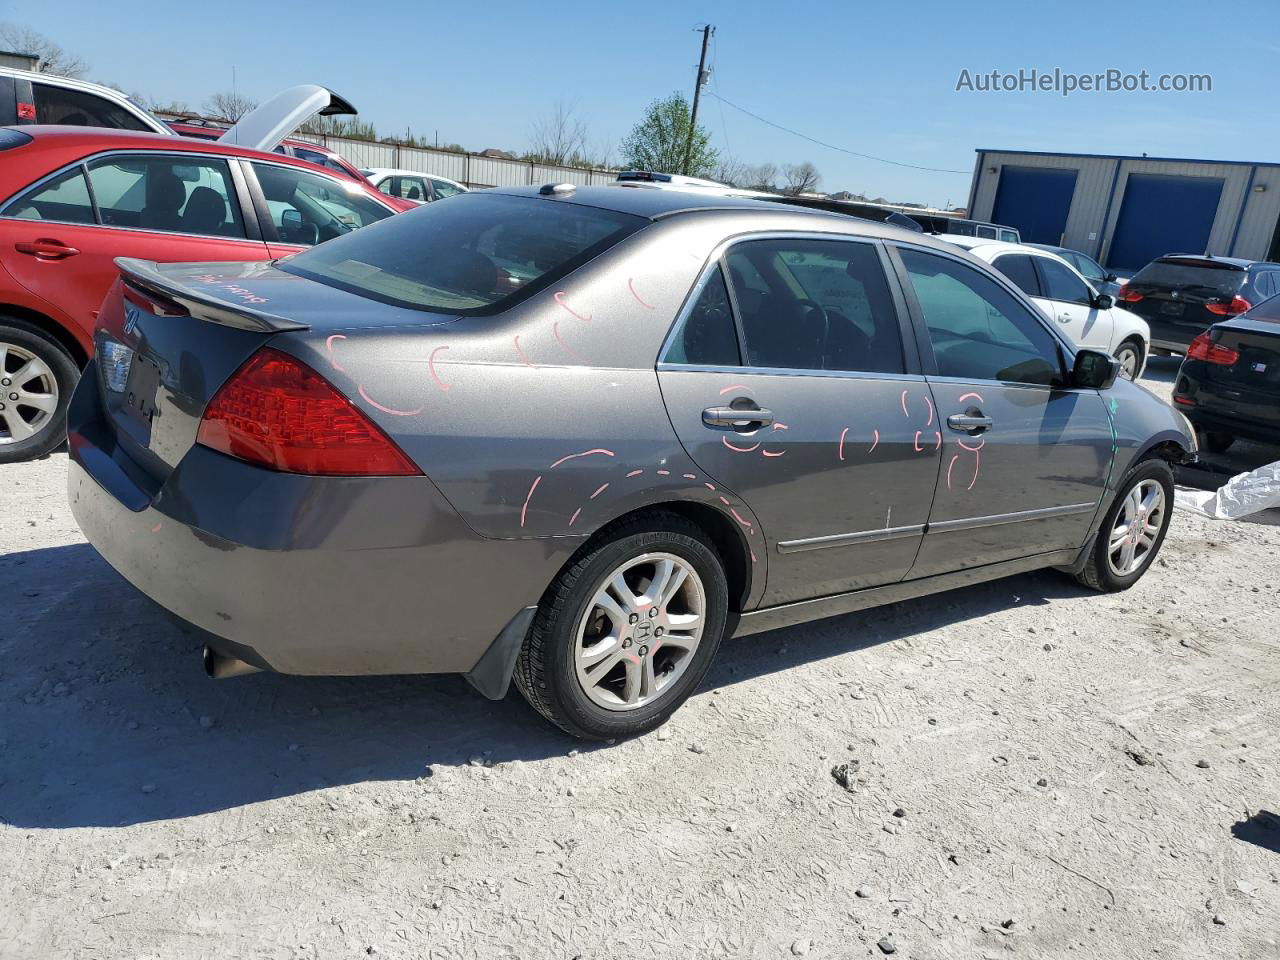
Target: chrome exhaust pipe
(221, 667)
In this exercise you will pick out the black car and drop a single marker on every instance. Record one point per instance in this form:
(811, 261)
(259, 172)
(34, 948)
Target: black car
(1102, 279)
(1229, 382)
(1181, 295)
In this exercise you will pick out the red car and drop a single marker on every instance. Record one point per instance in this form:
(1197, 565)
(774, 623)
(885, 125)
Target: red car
(72, 199)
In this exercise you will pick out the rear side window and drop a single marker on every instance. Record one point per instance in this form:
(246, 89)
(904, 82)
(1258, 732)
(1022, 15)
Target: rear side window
(475, 256)
(708, 336)
(978, 330)
(64, 199)
(170, 193)
(1019, 268)
(815, 305)
(80, 109)
(1263, 284)
(1202, 276)
(443, 188)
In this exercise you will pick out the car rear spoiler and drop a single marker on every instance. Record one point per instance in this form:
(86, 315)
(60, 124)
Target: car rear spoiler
(199, 301)
(265, 126)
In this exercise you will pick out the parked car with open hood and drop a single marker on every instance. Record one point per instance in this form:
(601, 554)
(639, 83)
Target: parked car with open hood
(72, 199)
(577, 436)
(1229, 382)
(1089, 318)
(1182, 295)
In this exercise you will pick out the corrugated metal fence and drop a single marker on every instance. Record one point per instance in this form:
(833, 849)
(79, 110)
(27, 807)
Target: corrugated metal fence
(468, 168)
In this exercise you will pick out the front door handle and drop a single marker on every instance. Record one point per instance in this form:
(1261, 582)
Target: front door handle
(1064, 318)
(737, 417)
(46, 249)
(969, 423)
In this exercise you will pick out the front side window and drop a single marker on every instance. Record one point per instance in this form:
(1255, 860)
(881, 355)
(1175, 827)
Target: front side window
(308, 208)
(64, 199)
(815, 305)
(474, 256)
(171, 193)
(1060, 283)
(707, 336)
(1088, 267)
(322, 159)
(979, 331)
(78, 108)
(1019, 268)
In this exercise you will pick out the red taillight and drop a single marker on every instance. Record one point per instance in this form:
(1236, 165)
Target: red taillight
(1128, 296)
(1202, 348)
(277, 412)
(1238, 304)
(1185, 401)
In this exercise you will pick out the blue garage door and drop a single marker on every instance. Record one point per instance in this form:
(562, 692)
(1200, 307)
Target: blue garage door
(1162, 214)
(1036, 201)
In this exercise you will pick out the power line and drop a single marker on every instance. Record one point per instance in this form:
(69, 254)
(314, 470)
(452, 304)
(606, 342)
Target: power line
(831, 146)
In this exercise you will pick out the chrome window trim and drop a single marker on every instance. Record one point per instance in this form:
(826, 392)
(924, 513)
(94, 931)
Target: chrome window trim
(665, 367)
(83, 164)
(714, 262)
(850, 539)
(1000, 519)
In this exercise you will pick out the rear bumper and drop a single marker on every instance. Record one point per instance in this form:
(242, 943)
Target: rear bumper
(305, 575)
(1220, 408)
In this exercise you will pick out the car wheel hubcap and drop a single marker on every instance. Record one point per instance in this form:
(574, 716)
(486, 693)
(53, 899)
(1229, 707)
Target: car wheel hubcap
(640, 631)
(1128, 364)
(30, 397)
(1136, 528)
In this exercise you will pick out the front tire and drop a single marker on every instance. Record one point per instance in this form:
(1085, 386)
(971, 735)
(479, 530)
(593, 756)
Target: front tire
(1129, 354)
(37, 377)
(626, 632)
(1133, 529)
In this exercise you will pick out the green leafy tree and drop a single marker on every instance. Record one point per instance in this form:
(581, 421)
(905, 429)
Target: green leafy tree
(658, 142)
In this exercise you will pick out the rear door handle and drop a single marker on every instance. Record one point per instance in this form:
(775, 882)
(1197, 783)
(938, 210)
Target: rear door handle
(46, 249)
(966, 423)
(736, 416)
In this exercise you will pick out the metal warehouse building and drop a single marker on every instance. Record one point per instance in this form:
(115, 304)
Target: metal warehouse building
(1126, 211)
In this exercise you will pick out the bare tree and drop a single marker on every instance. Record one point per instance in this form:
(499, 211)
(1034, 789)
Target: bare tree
(53, 59)
(801, 178)
(229, 106)
(763, 176)
(731, 171)
(558, 136)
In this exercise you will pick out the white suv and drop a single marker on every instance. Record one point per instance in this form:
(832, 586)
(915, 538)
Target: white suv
(1090, 319)
(27, 97)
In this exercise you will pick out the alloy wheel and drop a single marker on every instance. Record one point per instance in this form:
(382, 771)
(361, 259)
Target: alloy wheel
(1136, 528)
(639, 633)
(28, 394)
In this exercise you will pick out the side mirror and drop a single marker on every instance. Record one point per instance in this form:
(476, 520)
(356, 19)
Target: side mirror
(1110, 278)
(1094, 370)
(1104, 301)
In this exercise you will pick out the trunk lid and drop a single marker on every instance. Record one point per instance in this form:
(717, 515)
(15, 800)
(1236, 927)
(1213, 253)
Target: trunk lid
(169, 336)
(1257, 371)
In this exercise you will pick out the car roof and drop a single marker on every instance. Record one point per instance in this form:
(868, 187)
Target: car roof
(1241, 262)
(91, 139)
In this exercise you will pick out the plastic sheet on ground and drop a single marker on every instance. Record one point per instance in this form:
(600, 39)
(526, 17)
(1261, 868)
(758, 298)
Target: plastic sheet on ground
(1243, 494)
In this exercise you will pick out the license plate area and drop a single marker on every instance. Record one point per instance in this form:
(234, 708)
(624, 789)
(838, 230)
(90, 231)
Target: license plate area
(1171, 308)
(139, 401)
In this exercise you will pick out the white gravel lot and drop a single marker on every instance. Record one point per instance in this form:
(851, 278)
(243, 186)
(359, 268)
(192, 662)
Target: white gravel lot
(1077, 775)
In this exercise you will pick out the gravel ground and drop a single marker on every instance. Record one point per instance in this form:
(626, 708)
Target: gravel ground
(1020, 768)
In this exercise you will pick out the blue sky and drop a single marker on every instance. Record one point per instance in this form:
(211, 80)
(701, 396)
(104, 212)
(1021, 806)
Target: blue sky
(878, 79)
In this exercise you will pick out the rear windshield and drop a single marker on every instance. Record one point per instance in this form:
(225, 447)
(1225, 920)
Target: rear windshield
(472, 254)
(1200, 275)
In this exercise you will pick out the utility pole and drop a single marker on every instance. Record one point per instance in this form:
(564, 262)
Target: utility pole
(707, 31)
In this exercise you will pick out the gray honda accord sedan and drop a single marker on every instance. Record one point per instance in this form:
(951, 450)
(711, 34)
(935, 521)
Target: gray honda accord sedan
(579, 436)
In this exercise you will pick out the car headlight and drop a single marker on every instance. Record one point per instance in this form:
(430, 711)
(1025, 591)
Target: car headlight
(116, 360)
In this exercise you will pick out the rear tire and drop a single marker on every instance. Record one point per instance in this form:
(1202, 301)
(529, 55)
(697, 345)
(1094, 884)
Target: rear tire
(1144, 508)
(33, 412)
(1216, 442)
(611, 652)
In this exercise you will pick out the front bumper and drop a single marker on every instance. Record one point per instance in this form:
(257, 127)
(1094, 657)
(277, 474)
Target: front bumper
(304, 575)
